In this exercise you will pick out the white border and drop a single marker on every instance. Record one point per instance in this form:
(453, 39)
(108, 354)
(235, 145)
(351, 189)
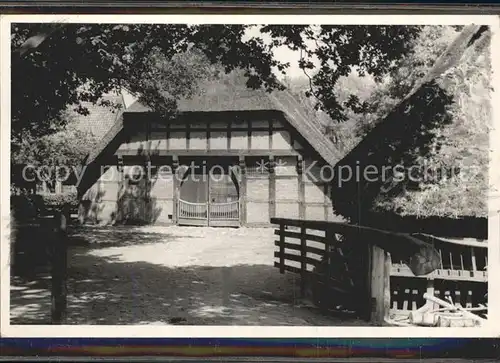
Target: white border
(7, 330)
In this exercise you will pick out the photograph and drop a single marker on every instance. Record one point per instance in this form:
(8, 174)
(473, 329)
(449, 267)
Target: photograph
(216, 173)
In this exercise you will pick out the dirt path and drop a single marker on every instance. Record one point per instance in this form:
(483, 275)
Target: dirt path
(173, 275)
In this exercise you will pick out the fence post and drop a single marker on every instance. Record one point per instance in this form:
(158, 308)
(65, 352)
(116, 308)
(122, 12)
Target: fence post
(176, 187)
(282, 248)
(380, 290)
(303, 263)
(59, 267)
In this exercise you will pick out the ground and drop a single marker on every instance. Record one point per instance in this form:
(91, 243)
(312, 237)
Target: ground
(171, 275)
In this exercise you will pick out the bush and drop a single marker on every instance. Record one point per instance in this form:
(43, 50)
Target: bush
(30, 206)
(59, 200)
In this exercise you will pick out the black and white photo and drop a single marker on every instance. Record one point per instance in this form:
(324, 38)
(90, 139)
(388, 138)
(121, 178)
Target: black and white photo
(197, 174)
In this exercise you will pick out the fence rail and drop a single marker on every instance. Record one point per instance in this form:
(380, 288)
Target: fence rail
(190, 210)
(224, 211)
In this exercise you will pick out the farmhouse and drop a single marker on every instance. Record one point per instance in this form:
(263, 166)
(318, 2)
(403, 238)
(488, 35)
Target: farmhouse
(232, 156)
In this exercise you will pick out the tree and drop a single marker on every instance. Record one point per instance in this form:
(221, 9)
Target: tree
(338, 50)
(80, 62)
(376, 97)
(65, 149)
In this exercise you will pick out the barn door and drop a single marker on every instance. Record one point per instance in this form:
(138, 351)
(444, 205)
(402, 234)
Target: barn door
(224, 205)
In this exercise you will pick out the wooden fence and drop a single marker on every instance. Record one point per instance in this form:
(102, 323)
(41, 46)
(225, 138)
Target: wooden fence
(377, 269)
(46, 238)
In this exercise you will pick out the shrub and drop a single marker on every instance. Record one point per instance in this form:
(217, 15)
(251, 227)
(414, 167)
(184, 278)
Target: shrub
(29, 206)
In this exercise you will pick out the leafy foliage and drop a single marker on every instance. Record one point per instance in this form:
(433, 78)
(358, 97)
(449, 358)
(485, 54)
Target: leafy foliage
(460, 149)
(437, 138)
(66, 147)
(81, 62)
(375, 97)
(29, 206)
(372, 50)
(426, 48)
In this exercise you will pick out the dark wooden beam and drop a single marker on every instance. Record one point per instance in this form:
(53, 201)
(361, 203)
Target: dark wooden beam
(249, 133)
(302, 188)
(380, 292)
(243, 191)
(233, 128)
(271, 134)
(208, 136)
(167, 139)
(228, 136)
(188, 136)
(119, 167)
(272, 187)
(220, 152)
(176, 186)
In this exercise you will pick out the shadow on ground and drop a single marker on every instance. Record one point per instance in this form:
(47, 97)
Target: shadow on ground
(109, 290)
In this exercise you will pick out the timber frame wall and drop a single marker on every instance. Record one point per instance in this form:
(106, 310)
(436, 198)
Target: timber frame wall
(271, 155)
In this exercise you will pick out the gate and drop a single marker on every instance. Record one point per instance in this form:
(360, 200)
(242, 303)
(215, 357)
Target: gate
(209, 214)
(192, 214)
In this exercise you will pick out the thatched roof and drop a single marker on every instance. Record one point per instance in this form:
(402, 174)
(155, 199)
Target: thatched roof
(442, 124)
(226, 94)
(100, 117)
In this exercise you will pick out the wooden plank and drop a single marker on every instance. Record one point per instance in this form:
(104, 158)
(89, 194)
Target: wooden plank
(121, 177)
(270, 130)
(302, 188)
(472, 242)
(243, 190)
(176, 189)
(297, 247)
(249, 136)
(380, 284)
(473, 259)
(309, 237)
(272, 187)
(303, 262)
(218, 128)
(442, 274)
(213, 152)
(167, 135)
(297, 258)
(282, 249)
